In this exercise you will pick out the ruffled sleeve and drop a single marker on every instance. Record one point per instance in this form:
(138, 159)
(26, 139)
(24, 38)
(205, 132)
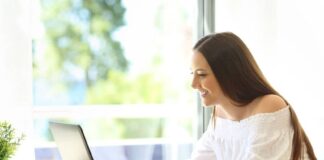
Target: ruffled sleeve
(270, 146)
(203, 149)
(271, 138)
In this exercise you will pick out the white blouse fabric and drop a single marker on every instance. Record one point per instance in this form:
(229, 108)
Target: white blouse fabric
(264, 136)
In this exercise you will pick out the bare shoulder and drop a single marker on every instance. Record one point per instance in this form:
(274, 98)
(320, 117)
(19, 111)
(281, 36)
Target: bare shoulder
(270, 103)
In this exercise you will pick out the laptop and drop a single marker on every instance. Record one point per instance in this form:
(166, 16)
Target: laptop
(70, 140)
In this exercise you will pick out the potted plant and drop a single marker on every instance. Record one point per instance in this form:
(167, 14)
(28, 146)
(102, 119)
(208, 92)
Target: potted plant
(8, 140)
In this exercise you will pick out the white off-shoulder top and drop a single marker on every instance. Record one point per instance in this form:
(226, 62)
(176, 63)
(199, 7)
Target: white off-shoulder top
(264, 136)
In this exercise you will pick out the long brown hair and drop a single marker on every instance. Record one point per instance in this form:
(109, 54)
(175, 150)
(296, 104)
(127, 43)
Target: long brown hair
(242, 81)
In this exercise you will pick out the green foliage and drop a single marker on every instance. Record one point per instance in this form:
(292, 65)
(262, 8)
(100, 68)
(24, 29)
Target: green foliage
(8, 140)
(79, 36)
(118, 88)
(103, 128)
(141, 128)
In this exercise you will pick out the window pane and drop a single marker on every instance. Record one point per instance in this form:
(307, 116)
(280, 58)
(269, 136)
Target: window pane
(120, 69)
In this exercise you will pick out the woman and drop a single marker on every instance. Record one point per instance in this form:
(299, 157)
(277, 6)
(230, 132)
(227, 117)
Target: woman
(250, 120)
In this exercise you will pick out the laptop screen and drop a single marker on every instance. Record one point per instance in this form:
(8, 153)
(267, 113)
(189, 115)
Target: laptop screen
(70, 141)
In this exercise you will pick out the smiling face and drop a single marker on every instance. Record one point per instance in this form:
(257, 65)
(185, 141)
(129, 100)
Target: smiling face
(204, 80)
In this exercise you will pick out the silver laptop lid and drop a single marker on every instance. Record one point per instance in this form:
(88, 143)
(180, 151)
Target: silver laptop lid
(70, 141)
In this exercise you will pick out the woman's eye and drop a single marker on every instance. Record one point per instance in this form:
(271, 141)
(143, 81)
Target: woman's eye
(202, 75)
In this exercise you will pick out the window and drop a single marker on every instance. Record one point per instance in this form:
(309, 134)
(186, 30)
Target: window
(120, 69)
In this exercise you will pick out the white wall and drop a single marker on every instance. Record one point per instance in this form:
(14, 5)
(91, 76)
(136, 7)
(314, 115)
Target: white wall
(286, 38)
(16, 71)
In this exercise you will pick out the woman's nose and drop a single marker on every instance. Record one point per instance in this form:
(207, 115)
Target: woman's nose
(194, 83)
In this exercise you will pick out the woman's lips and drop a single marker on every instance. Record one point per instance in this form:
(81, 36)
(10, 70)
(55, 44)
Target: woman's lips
(203, 93)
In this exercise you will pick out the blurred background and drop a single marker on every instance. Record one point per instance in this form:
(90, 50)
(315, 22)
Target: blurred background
(120, 68)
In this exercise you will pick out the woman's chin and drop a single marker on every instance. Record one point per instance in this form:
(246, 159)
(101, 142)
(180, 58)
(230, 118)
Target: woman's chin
(208, 105)
(208, 102)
